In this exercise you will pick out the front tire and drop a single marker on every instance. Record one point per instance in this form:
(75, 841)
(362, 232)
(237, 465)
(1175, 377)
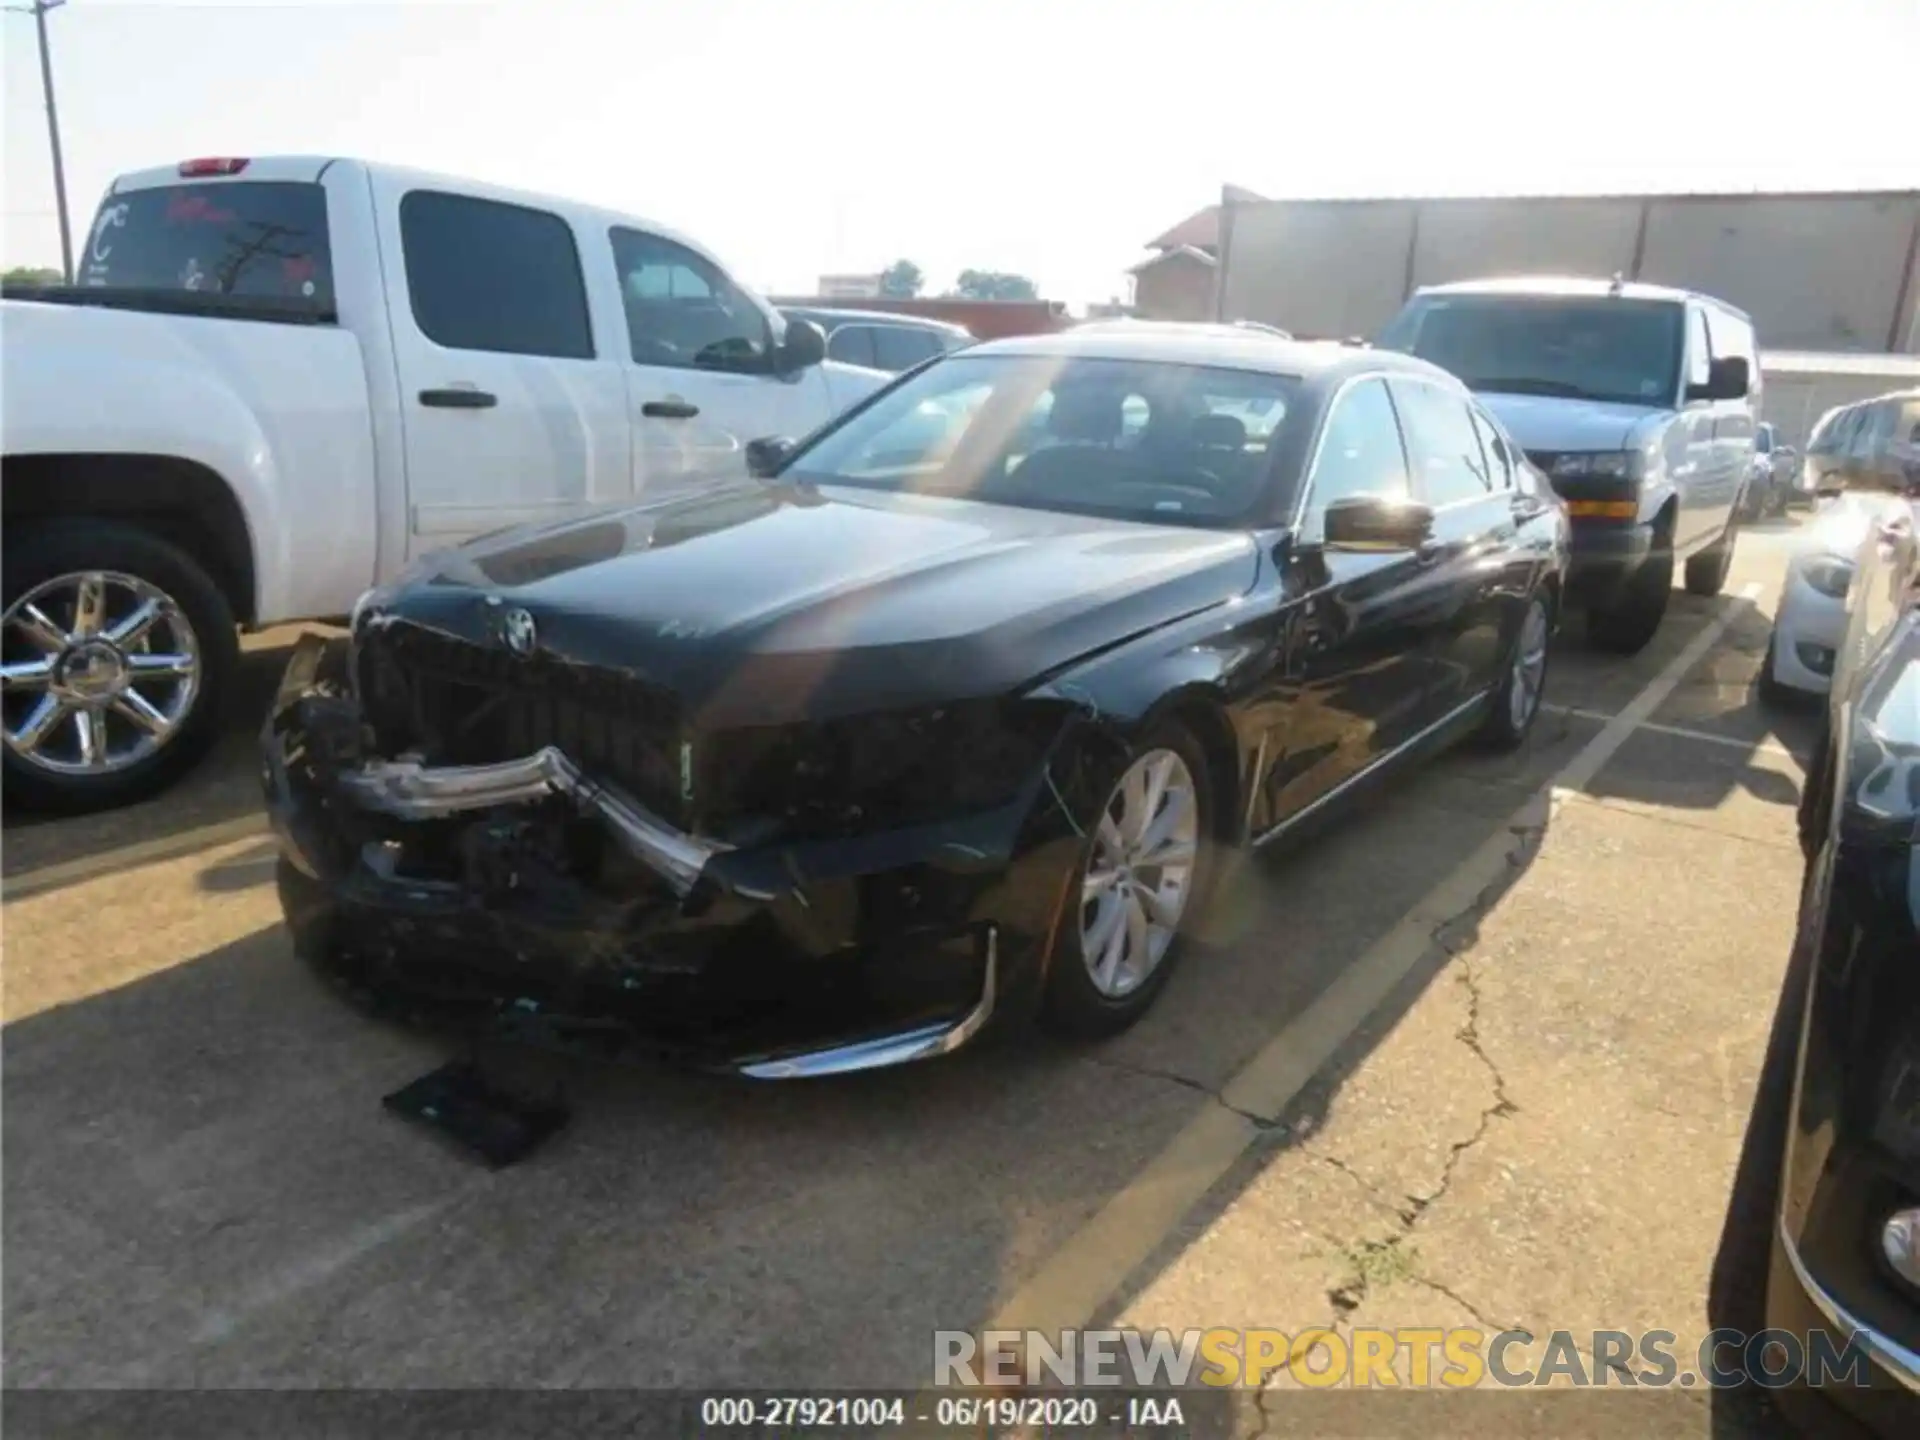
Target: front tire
(1707, 571)
(1142, 876)
(1625, 627)
(119, 651)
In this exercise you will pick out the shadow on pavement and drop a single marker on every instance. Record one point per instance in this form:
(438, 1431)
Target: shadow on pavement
(50, 852)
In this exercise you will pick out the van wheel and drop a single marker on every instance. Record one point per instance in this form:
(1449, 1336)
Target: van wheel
(1707, 571)
(118, 652)
(1625, 627)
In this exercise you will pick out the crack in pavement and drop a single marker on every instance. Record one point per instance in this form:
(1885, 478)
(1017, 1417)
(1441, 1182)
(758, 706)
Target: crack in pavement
(1267, 1123)
(1468, 1306)
(1456, 935)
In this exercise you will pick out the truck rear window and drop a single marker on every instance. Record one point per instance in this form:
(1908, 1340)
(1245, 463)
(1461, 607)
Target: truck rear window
(264, 238)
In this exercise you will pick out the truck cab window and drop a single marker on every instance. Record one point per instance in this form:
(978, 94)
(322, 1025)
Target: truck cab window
(483, 275)
(682, 309)
(265, 238)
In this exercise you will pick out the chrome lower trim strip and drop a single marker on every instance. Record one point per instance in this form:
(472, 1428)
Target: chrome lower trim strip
(410, 790)
(1893, 1357)
(921, 1043)
(1354, 779)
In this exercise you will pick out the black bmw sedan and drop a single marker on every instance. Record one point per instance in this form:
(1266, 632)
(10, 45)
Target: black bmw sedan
(948, 712)
(1845, 1267)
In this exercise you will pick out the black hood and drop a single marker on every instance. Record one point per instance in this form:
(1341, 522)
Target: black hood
(762, 604)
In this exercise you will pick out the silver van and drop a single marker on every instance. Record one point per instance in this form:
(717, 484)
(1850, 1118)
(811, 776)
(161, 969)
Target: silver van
(1638, 402)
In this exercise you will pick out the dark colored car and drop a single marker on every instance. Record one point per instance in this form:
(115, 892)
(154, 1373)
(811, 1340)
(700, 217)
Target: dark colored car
(950, 713)
(881, 340)
(1846, 1249)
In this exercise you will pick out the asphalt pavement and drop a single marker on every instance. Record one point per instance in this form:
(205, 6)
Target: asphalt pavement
(1483, 1053)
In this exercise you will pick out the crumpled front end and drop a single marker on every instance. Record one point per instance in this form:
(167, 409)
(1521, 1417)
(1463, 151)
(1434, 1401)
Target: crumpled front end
(519, 861)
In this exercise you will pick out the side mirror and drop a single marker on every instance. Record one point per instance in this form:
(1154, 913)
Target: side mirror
(805, 345)
(766, 455)
(1728, 378)
(1377, 523)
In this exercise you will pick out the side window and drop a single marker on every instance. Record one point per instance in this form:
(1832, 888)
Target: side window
(1732, 336)
(487, 276)
(1699, 351)
(1443, 442)
(896, 347)
(852, 345)
(683, 311)
(1873, 431)
(1494, 444)
(1831, 436)
(1360, 452)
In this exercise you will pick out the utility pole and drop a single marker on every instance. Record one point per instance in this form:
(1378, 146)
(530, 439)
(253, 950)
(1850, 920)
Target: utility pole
(38, 9)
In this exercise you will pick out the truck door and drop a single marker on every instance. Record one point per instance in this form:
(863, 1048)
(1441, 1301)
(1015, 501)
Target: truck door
(511, 414)
(697, 365)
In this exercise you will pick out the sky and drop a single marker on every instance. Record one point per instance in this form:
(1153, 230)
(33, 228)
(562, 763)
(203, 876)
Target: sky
(1053, 138)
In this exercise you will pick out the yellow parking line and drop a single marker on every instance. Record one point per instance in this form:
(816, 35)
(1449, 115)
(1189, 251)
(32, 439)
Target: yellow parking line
(1069, 1289)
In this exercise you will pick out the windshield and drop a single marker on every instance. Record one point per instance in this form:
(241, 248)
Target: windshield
(1130, 439)
(1589, 349)
(256, 237)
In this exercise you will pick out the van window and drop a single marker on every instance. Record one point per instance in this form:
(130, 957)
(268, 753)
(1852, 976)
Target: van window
(1699, 348)
(1732, 337)
(1581, 347)
(252, 237)
(484, 275)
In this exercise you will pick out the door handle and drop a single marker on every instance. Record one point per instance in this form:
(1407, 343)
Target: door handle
(454, 398)
(669, 410)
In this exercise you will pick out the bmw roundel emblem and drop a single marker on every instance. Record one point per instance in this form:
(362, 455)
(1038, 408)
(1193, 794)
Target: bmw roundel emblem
(518, 630)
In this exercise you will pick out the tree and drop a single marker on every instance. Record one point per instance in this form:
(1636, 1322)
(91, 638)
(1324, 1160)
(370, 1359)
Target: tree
(901, 280)
(995, 285)
(30, 275)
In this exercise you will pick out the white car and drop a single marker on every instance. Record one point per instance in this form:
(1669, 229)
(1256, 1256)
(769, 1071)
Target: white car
(281, 379)
(1811, 623)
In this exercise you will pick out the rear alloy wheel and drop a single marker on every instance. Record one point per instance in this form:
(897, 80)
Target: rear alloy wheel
(1516, 704)
(1140, 871)
(1707, 571)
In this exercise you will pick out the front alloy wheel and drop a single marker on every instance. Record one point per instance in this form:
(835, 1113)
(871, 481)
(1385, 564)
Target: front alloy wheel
(1143, 867)
(1139, 873)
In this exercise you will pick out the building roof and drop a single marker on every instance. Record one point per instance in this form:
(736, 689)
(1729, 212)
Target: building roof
(1200, 230)
(1181, 252)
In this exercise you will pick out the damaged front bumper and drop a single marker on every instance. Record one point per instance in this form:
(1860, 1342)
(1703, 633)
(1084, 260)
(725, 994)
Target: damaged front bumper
(526, 894)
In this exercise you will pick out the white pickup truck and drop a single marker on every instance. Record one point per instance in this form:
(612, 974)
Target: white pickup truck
(279, 380)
